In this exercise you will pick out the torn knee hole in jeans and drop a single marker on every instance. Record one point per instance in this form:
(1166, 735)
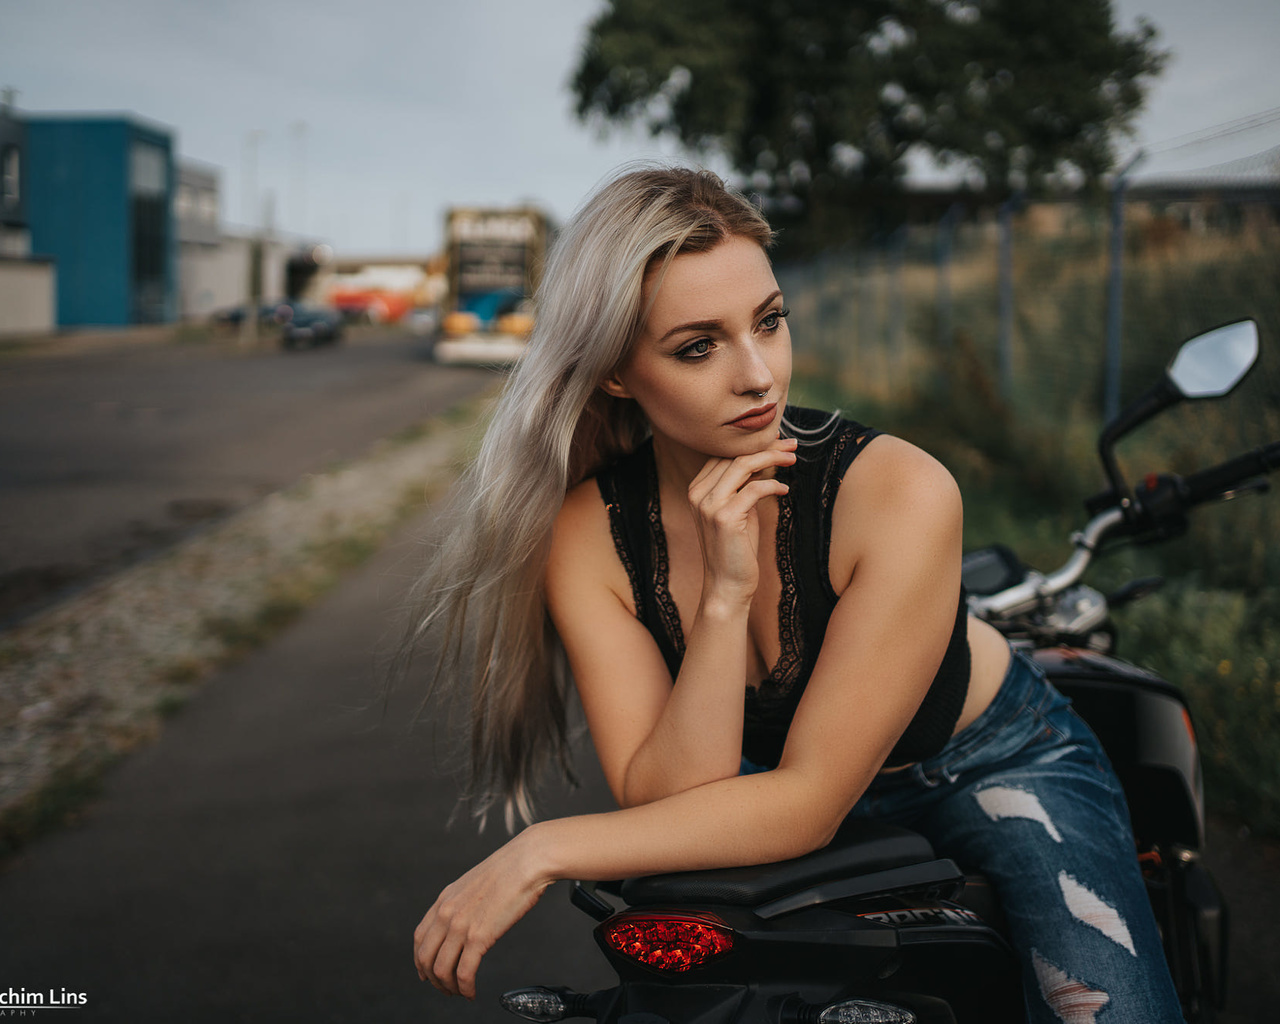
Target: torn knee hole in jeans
(1071, 999)
(1089, 908)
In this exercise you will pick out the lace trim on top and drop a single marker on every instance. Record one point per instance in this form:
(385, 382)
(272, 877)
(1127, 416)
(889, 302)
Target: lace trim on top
(667, 611)
(790, 629)
(783, 675)
(621, 546)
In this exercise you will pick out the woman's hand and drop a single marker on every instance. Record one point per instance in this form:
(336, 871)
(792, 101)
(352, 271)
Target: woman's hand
(473, 913)
(723, 497)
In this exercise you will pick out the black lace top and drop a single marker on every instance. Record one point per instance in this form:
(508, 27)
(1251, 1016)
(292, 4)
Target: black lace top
(629, 488)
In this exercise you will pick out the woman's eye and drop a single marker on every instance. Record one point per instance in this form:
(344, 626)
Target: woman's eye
(696, 349)
(773, 320)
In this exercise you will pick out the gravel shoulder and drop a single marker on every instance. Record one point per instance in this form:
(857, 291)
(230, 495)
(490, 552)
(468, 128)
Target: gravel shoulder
(91, 678)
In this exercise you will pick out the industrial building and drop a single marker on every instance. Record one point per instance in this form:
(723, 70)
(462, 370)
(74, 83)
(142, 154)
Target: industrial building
(99, 197)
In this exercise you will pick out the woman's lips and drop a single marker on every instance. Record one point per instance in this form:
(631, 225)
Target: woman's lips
(756, 419)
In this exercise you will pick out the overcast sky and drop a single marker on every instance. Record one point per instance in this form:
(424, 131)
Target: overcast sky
(369, 117)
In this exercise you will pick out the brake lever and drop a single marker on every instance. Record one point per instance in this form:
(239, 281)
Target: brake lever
(1259, 486)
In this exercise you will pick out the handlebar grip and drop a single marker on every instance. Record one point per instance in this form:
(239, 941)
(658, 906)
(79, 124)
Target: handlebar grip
(1211, 483)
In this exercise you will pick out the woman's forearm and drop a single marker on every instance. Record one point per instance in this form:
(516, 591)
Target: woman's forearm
(752, 819)
(744, 820)
(698, 737)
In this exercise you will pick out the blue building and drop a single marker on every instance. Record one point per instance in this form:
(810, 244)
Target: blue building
(99, 201)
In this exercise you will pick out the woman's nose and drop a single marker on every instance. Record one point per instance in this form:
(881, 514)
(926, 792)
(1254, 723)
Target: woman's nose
(755, 375)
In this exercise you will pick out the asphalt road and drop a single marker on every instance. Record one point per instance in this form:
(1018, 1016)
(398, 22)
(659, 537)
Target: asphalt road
(111, 455)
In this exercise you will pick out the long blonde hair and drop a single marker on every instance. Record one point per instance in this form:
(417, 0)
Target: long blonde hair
(482, 596)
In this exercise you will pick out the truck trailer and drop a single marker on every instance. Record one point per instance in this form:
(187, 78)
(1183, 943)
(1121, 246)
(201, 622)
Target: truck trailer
(494, 262)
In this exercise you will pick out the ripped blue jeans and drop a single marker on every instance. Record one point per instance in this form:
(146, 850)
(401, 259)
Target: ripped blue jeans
(1026, 795)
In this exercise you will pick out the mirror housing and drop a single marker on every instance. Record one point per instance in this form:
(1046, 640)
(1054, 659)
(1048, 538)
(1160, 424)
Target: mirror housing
(1209, 365)
(1212, 364)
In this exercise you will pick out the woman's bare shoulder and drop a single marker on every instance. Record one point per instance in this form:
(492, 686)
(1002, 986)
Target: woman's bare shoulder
(582, 549)
(892, 489)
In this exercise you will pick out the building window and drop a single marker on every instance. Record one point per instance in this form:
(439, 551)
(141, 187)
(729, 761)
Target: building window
(183, 201)
(149, 175)
(10, 182)
(149, 183)
(208, 206)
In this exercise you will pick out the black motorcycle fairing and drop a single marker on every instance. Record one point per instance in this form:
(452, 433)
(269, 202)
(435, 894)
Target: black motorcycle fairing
(1146, 728)
(861, 847)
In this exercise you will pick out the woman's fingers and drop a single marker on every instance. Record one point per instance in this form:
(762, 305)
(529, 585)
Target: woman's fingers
(468, 965)
(427, 940)
(721, 478)
(445, 967)
(441, 951)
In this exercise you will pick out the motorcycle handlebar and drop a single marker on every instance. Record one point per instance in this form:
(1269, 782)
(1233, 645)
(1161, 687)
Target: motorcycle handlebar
(1212, 483)
(1195, 489)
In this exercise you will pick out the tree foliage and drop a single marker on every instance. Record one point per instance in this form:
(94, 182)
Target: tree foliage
(807, 96)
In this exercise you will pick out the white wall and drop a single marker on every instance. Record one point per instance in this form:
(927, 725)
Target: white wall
(212, 277)
(28, 290)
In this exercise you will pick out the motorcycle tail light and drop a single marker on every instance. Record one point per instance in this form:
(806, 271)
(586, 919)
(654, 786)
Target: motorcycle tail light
(865, 1011)
(668, 942)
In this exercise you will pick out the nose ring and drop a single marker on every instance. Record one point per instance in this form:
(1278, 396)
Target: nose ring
(759, 394)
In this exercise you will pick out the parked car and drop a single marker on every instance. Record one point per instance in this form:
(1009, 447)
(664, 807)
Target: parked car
(423, 321)
(269, 314)
(310, 326)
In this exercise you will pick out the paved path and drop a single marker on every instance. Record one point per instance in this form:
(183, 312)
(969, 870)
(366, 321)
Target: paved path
(268, 858)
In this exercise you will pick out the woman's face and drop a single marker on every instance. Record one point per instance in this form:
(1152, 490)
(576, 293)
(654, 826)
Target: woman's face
(712, 364)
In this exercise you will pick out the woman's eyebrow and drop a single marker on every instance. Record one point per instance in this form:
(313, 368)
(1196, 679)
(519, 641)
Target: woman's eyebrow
(711, 325)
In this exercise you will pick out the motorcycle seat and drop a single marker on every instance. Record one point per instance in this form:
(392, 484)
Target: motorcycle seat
(861, 847)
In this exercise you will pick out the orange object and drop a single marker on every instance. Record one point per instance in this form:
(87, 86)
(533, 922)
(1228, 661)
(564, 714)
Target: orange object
(519, 325)
(379, 306)
(459, 323)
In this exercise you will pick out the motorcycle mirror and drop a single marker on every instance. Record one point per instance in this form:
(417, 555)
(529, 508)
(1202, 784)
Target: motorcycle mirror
(1210, 365)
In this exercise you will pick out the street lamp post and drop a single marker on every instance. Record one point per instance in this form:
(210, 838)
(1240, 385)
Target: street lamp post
(249, 324)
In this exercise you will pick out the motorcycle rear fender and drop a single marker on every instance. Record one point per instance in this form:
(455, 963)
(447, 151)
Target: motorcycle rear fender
(1145, 727)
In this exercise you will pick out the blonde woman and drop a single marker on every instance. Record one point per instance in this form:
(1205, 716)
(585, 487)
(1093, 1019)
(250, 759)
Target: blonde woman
(761, 611)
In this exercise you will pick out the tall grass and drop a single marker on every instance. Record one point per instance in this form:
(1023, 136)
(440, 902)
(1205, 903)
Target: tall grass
(1025, 456)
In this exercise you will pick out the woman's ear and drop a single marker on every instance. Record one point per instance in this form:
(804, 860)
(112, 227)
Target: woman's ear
(612, 385)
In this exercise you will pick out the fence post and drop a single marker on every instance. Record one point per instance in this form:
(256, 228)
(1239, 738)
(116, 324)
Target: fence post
(1005, 339)
(946, 239)
(897, 313)
(1115, 290)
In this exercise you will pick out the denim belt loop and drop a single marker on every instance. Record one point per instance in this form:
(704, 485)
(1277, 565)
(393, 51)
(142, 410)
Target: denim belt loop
(923, 777)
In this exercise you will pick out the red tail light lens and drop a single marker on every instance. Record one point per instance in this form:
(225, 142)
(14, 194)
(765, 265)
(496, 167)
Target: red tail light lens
(668, 942)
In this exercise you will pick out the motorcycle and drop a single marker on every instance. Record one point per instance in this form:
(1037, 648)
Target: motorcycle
(875, 928)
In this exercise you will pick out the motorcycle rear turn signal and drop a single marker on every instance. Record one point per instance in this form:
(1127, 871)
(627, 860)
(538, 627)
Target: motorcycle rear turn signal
(668, 942)
(537, 1004)
(865, 1011)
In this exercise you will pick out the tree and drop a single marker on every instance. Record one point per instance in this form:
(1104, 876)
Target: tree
(814, 98)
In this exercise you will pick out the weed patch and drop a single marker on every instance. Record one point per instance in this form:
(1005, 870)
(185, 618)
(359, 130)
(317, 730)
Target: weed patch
(58, 803)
